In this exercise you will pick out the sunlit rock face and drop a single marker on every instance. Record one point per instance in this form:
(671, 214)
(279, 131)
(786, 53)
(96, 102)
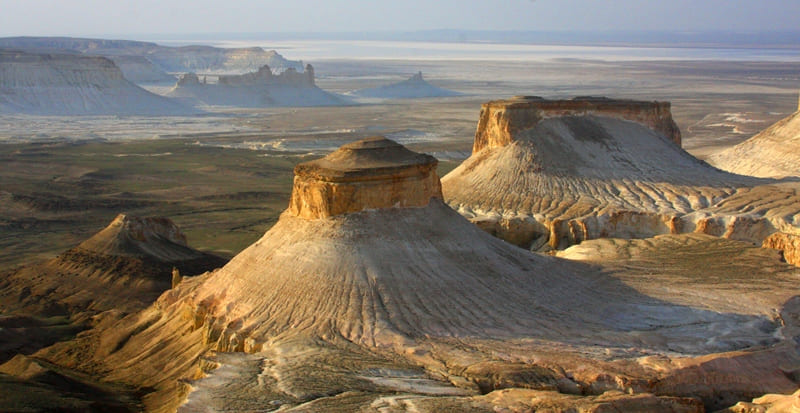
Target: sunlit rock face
(69, 84)
(548, 174)
(369, 174)
(774, 152)
(788, 244)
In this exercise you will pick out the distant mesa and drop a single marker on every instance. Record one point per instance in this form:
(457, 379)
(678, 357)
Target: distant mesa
(140, 70)
(774, 152)
(198, 59)
(411, 88)
(551, 173)
(70, 84)
(262, 88)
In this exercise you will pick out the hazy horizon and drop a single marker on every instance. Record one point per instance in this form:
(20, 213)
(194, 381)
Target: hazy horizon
(146, 18)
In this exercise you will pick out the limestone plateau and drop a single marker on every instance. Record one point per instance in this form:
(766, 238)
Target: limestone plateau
(412, 88)
(370, 294)
(547, 174)
(257, 89)
(774, 152)
(197, 59)
(71, 84)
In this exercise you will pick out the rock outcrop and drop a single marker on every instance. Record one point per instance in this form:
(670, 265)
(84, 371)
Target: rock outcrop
(369, 174)
(412, 88)
(69, 84)
(198, 59)
(788, 244)
(355, 298)
(775, 152)
(549, 174)
(258, 89)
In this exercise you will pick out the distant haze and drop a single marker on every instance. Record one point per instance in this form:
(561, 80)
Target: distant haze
(131, 18)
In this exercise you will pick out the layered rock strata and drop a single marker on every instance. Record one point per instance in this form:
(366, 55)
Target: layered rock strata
(369, 288)
(788, 244)
(549, 174)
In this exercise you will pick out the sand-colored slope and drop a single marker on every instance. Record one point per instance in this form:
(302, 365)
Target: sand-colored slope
(549, 174)
(775, 152)
(368, 278)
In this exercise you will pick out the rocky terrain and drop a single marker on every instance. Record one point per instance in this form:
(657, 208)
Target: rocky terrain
(197, 59)
(370, 293)
(121, 269)
(257, 89)
(548, 174)
(70, 84)
(412, 88)
(774, 152)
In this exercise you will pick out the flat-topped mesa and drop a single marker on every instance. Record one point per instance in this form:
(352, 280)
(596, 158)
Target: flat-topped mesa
(501, 120)
(372, 173)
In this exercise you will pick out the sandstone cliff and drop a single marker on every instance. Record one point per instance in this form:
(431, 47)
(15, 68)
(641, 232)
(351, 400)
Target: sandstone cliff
(775, 152)
(788, 244)
(369, 286)
(68, 84)
(258, 89)
(549, 174)
(412, 88)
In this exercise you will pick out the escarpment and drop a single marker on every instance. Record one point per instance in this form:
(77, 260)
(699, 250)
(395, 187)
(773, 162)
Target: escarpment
(548, 174)
(69, 84)
(369, 285)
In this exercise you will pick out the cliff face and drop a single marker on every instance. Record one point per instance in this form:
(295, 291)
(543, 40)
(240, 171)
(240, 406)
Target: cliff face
(788, 244)
(139, 70)
(64, 84)
(500, 121)
(369, 174)
(549, 174)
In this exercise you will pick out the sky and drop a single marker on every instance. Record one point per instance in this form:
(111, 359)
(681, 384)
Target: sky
(132, 17)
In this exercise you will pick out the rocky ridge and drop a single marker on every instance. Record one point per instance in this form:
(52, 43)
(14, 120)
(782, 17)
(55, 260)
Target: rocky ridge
(355, 300)
(549, 174)
(257, 89)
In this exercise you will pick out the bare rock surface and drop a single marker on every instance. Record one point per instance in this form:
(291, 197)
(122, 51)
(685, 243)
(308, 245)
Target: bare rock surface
(256, 89)
(549, 174)
(141, 71)
(70, 84)
(412, 88)
(788, 244)
(774, 152)
(411, 307)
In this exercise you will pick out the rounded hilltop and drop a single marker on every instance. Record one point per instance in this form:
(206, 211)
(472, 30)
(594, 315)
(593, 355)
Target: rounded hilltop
(368, 174)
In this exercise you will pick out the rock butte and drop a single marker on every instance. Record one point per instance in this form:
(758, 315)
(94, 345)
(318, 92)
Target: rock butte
(412, 88)
(256, 89)
(369, 293)
(549, 174)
